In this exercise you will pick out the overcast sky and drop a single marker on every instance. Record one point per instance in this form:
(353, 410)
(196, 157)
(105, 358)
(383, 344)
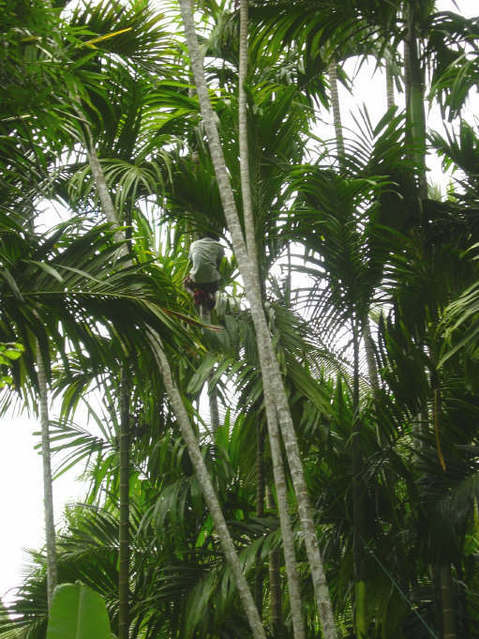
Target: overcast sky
(20, 464)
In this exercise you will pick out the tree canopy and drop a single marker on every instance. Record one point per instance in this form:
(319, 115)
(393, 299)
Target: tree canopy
(302, 461)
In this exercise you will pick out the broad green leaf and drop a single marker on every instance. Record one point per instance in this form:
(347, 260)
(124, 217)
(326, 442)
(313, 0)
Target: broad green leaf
(78, 612)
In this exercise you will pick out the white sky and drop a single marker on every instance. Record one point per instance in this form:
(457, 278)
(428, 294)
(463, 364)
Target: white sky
(20, 464)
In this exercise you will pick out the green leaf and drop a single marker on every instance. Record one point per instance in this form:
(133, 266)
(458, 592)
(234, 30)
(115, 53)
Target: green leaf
(48, 269)
(12, 354)
(5, 380)
(78, 612)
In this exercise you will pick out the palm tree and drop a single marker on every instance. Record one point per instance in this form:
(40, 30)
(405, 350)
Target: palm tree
(272, 380)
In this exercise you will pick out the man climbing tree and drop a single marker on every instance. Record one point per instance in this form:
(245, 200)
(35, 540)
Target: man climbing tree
(204, 277)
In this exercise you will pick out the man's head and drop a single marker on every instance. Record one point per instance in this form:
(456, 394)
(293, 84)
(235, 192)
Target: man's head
(212, 236)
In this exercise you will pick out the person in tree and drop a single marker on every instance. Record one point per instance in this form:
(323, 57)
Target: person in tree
(204, 277)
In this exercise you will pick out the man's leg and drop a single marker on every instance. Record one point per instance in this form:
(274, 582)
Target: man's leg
(211, 300)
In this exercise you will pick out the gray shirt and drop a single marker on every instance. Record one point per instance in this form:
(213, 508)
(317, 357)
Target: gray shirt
(206, 255)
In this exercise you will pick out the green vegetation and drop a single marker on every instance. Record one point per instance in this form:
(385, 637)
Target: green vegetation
(8, 353)
(78, 612)
(329, 488)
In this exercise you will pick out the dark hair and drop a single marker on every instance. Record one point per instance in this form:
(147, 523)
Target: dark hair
(213, 236)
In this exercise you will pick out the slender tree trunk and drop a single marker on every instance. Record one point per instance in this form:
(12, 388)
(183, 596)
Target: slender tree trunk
(463, 625)
(360, 617)
(415, 113)
(272, 378)
(436, 593)
(212, 394)
(371, 360)
(260, 471)
(213, 403)
(359, 603)
(207, 489)
(436, 413)
(47, 478)
(389, 85)
(338, 127)
(286, 529)
(275, 587)
(274, 580)
(124, 443)
(260, 502)
(360, 594)
(447, 603)
(248, 217)
(448, 613)
(273, 428)
(288, 285)
(124, 536)
(102, 190)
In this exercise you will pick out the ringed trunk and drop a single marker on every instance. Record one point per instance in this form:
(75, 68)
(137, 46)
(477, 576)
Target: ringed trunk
(208, 489)
(124, 536)
(415, 113)
(447, 602)
(47, 478)
(273, 428)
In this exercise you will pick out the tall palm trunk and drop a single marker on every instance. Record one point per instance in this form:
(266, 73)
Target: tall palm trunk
(273, 429)
(275, 588)
(447, 602)
(213, 403)
(271, 373)
(357, 488)
(443, 570)
(188, 433)
(260, 502)
(360, 618)
(248, 217)
(415, 113)
(124, 496)
(47, 478)
(124, 532)
(274, 579)
(389, 85)
(416, 120)
(338, 127)
(211, 387)
(285, 525)
(208, 489)
(371, 359)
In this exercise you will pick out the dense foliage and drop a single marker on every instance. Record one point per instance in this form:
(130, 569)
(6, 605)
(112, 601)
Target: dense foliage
(370, 287)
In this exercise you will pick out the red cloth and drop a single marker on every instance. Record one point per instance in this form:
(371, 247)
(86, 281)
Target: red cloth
(203, 294)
